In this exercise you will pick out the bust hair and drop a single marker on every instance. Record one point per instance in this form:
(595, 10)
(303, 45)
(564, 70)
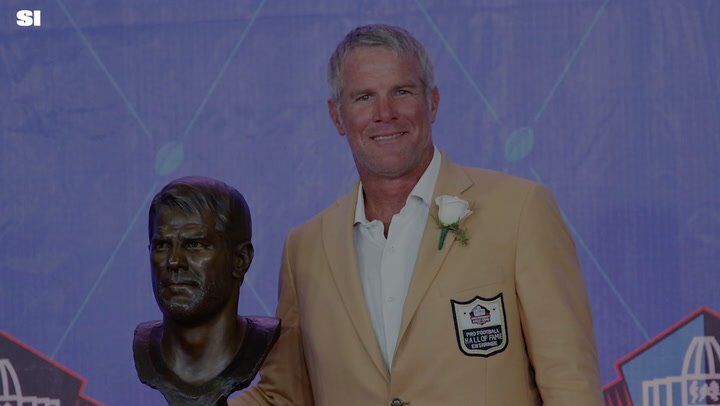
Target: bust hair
(197, 194)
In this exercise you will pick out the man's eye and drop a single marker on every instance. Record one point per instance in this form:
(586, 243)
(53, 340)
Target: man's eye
(364, 97)
(403, 91)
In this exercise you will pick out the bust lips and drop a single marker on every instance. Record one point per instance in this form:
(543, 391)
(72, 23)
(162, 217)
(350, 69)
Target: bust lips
(182, 286)
(179, 282)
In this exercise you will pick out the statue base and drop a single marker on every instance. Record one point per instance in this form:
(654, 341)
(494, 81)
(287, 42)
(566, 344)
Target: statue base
(260, 336)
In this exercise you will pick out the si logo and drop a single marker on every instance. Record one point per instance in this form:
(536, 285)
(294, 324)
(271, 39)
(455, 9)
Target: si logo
(27, 18)
(480, 326)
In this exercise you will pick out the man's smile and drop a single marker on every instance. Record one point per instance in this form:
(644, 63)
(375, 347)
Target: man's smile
(387, 137)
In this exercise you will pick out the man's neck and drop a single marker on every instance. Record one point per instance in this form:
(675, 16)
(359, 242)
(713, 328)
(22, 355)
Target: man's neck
(197, 354)
(386, 196)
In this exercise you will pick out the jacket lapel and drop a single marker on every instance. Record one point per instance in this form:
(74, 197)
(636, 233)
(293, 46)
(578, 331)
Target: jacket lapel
(337, 228)
(451, 181)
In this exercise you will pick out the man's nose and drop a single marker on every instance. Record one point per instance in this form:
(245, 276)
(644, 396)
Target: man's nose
(384, 110)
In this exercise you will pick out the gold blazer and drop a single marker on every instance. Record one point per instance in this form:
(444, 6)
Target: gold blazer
(529, 342)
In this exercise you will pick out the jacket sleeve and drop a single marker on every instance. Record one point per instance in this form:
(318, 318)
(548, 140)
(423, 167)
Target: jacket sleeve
(554, 309)
(283, 376)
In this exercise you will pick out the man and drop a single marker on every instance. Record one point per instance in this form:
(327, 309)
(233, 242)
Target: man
(386, 300)
(200, 250)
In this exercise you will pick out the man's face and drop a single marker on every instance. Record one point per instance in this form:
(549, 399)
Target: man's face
(384, 111)
(191, 266)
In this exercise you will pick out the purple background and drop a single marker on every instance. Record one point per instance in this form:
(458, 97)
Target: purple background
(615, 105)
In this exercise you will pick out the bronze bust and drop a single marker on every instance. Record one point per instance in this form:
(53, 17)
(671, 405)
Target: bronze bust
(202, 351)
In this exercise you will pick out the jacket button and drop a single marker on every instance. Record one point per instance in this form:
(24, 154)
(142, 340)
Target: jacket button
(397, 402)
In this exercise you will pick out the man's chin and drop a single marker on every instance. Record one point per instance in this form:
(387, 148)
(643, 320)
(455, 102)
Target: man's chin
(394, 165)
(390, 169)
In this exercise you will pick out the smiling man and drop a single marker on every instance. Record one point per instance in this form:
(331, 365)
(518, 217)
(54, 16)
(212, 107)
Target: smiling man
(200, 250)
(429, 283)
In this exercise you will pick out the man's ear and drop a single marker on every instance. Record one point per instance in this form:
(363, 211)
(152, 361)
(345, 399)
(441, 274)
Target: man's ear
(334, 110)
(242, 257)
(434, 103)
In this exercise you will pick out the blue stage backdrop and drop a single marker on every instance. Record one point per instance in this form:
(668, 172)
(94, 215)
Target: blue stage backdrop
(614, 105)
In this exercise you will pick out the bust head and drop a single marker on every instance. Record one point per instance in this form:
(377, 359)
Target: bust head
(199, 231)
(202, 351)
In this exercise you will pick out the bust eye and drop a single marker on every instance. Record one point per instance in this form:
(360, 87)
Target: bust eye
(160, 245)
(193, 245)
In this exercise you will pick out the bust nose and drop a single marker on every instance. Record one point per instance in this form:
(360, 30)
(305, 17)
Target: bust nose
(176, 258)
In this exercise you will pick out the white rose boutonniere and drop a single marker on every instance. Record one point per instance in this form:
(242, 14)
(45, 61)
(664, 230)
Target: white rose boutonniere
(451, 211)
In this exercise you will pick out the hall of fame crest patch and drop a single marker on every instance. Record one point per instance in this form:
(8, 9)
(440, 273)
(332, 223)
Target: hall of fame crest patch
(480, 325)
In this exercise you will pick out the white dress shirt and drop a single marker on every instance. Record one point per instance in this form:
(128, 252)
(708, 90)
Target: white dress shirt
(386, 264)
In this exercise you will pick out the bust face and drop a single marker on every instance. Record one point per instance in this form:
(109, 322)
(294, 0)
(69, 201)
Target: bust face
(191, 266)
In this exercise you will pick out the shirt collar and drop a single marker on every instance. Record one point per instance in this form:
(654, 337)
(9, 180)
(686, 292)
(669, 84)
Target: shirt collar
(423, 188)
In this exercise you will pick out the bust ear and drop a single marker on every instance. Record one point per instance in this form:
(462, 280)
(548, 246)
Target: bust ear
(242, 257)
